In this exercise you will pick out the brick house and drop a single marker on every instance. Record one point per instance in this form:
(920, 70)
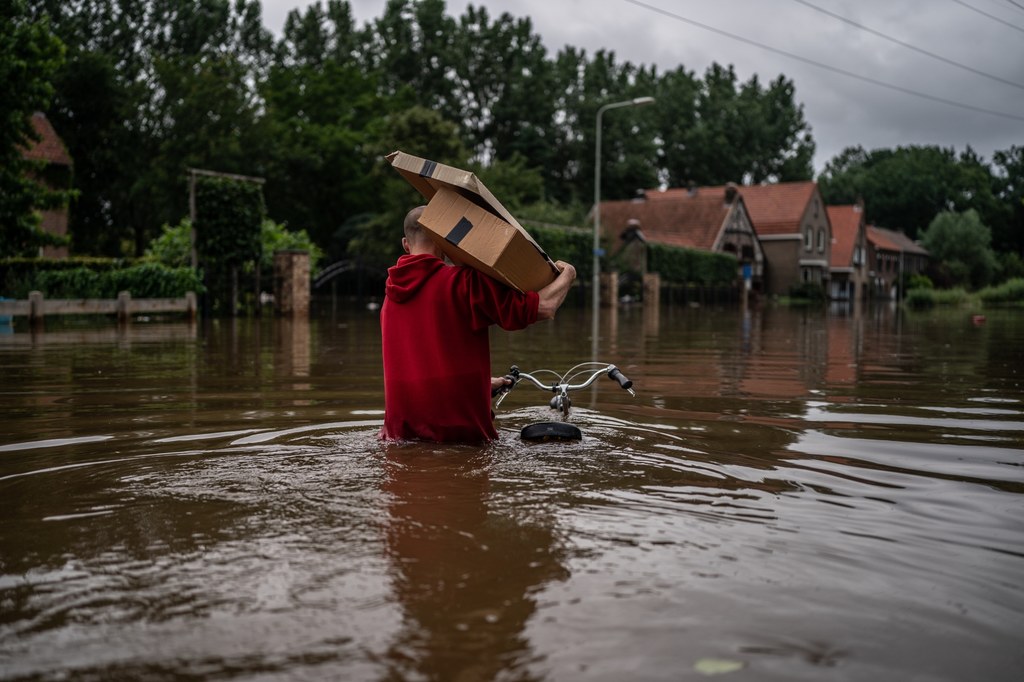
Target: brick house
(791, 223)
(710, 222)
(848, 272)
(891, 255)
(56, 172)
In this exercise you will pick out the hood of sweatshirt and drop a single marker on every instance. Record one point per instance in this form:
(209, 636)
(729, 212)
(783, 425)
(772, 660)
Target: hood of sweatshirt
(409, 274)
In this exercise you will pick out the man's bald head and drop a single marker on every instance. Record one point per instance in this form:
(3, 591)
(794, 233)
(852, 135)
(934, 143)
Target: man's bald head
(413, 229)
(416, 239)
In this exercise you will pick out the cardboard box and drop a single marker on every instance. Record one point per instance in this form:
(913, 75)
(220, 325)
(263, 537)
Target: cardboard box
(472, 227)
(470, 235)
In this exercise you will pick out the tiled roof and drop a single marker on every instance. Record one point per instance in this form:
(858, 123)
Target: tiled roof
(49, 147)
(774, 209)
(892, 240)
(691, 222)
(845, 224)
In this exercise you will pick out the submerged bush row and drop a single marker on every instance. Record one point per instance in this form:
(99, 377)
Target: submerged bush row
(97, 280)
(1011, 291)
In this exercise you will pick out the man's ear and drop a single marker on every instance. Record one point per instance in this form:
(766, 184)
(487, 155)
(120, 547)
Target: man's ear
(405, 245)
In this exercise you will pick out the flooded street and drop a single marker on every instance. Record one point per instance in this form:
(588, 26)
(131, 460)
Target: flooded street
(791, 495)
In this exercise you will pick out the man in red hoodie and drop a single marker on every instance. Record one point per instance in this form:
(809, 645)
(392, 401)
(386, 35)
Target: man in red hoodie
(434, 330)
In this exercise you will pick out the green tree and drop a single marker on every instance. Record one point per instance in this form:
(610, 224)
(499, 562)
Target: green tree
(151, 87)
(1009, 181)
(781, 139)
(961, 245)
(319, 106)
(376, 239)
(515, 181)
(675, 114)
(740, 132)
(503, 84)
(628, 137)
(30, 56)
(409, 49)
(906, 187)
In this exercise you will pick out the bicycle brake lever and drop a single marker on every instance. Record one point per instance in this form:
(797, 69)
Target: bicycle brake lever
(500, 398)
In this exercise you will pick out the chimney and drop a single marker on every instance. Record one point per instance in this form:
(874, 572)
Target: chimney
(691, 189)
(730, 192)
(640, 196)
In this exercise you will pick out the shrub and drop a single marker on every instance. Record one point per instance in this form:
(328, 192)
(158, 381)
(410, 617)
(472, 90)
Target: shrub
(1009, 291)
(572, 245)
(1011, 266)
(929, 298)
(173, 247)
(18, 276)
(145, 280)
(919, 281)
(807, 291)
(683, 266)
(920, 298)
(275, 237)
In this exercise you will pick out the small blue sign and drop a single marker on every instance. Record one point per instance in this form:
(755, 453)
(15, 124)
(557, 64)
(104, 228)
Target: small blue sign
(748, 271)
(598, 252)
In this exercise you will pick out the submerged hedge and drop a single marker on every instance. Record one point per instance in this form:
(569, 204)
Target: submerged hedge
(1010, 291)
(571, 245)
(675, 265)
(690, 266)
(95, 278)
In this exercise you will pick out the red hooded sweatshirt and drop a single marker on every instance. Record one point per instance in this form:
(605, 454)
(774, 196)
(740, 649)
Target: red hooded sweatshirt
(437, 359)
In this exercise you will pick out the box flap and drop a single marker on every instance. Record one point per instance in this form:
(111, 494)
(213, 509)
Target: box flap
(428, 176)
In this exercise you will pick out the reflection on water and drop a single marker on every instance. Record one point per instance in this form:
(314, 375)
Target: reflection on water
(467, 576)
(789, 492)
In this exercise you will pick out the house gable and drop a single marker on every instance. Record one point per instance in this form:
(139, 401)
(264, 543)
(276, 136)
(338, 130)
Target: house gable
(848, 236)
(49, 147)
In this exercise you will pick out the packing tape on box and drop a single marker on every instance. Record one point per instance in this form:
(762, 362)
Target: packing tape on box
(459, 232)
(428, 168)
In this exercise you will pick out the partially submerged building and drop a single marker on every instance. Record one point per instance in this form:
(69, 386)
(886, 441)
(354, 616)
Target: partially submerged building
(791, 223)
(49, 149)
(892, 256)
(716, 222)
(848, 278)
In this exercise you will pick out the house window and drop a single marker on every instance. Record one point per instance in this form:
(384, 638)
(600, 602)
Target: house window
(821, 240)
(808, 239)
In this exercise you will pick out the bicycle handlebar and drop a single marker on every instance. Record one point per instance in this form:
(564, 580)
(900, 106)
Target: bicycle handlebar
(562, 386)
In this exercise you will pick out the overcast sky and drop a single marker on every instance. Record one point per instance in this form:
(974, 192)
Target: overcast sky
(985, 36)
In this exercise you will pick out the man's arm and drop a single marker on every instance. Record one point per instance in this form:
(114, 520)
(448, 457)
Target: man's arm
(552, 295)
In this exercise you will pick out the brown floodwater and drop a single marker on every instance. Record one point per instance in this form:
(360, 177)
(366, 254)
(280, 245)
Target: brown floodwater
(791, 495)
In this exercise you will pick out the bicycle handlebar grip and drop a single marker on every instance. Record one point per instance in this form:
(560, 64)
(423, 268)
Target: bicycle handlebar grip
(511, 379)
(614, 373)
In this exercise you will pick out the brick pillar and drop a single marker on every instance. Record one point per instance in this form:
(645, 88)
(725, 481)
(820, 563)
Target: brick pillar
(291, 283)
(609, 289)
(652, 289)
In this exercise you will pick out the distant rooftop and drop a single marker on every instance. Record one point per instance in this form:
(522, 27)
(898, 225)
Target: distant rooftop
(49, 147)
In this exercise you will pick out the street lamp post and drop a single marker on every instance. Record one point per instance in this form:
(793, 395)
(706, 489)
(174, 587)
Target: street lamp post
(637, 101)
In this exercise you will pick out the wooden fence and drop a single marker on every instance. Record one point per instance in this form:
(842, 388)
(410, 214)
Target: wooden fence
(124, 306)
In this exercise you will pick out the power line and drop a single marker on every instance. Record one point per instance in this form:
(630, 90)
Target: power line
(990, 16)
(821, 65)
(1016, 4)
(909, 46)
